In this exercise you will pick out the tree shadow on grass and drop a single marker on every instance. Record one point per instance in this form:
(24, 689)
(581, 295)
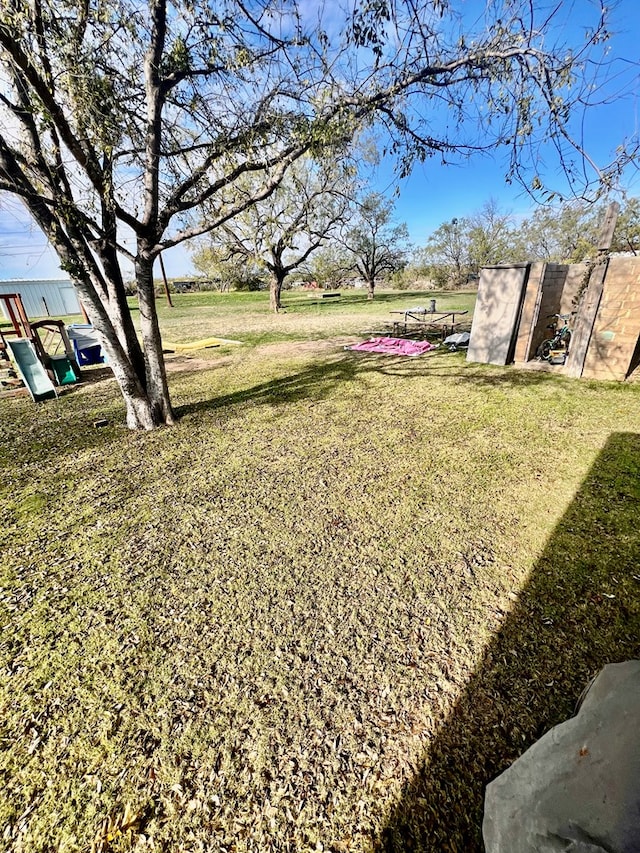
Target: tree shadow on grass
(320, 379)
(579, 611)
(315, 382)
(471, 373)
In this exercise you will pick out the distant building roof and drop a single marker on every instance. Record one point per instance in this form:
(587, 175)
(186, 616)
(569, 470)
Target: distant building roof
(4, 281)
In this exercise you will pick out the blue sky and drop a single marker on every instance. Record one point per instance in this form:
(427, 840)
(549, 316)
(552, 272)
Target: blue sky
(434, 193)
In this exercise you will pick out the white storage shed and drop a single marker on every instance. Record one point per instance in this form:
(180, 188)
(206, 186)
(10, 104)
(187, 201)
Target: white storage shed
(52, 297)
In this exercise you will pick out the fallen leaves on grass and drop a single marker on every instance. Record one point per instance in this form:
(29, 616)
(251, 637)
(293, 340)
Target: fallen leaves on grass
(258, 627)
(120, 823)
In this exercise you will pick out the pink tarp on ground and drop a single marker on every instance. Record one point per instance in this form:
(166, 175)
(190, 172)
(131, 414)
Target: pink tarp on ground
(393, 346)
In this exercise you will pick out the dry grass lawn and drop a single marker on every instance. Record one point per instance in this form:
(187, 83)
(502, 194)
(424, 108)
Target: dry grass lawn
(322, 611)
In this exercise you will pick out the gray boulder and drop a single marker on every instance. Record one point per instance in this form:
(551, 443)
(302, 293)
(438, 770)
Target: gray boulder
(577, 789)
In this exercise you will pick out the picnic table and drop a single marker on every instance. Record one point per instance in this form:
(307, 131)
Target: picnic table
(423, 319)
(318, 298)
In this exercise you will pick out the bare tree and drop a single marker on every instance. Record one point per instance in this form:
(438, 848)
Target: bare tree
(281, 232)
(377, 245)
(447, 253)
(122, 118)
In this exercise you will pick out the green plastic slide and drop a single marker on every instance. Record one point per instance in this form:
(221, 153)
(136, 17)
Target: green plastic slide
(32, 372)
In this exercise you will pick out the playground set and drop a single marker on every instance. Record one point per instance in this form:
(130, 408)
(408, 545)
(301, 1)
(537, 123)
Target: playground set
(46, 353)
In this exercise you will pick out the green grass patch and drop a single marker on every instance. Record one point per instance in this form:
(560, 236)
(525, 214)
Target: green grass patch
(245, 316)
(320, 612)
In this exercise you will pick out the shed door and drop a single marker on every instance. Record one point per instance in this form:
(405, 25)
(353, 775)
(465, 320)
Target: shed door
(497, 314)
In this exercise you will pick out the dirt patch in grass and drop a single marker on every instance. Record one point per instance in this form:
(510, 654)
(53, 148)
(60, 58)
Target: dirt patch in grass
(282, 350)
(293, 349)
(182, 363)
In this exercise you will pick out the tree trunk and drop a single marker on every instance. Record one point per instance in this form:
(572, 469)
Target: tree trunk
(157, 390)
(140, 374)
(113, 322)
(140, 413)
(120, 314)
(275, 291)
(371, 286)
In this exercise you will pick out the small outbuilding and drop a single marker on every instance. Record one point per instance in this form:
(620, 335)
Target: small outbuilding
(43, 297)
(515, 303)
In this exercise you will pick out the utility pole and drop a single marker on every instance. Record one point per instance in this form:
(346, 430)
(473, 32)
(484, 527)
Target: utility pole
(166, 283)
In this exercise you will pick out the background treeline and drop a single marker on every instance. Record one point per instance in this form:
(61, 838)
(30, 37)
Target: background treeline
(456, 250)
(451, 257)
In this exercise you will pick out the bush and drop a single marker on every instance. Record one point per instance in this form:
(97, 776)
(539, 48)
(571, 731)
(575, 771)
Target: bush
(249, 284)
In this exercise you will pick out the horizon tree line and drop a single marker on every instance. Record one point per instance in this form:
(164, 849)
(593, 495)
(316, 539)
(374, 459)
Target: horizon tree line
(366, 242)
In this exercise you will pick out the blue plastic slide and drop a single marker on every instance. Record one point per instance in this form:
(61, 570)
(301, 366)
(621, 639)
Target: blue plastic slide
(31, 371)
